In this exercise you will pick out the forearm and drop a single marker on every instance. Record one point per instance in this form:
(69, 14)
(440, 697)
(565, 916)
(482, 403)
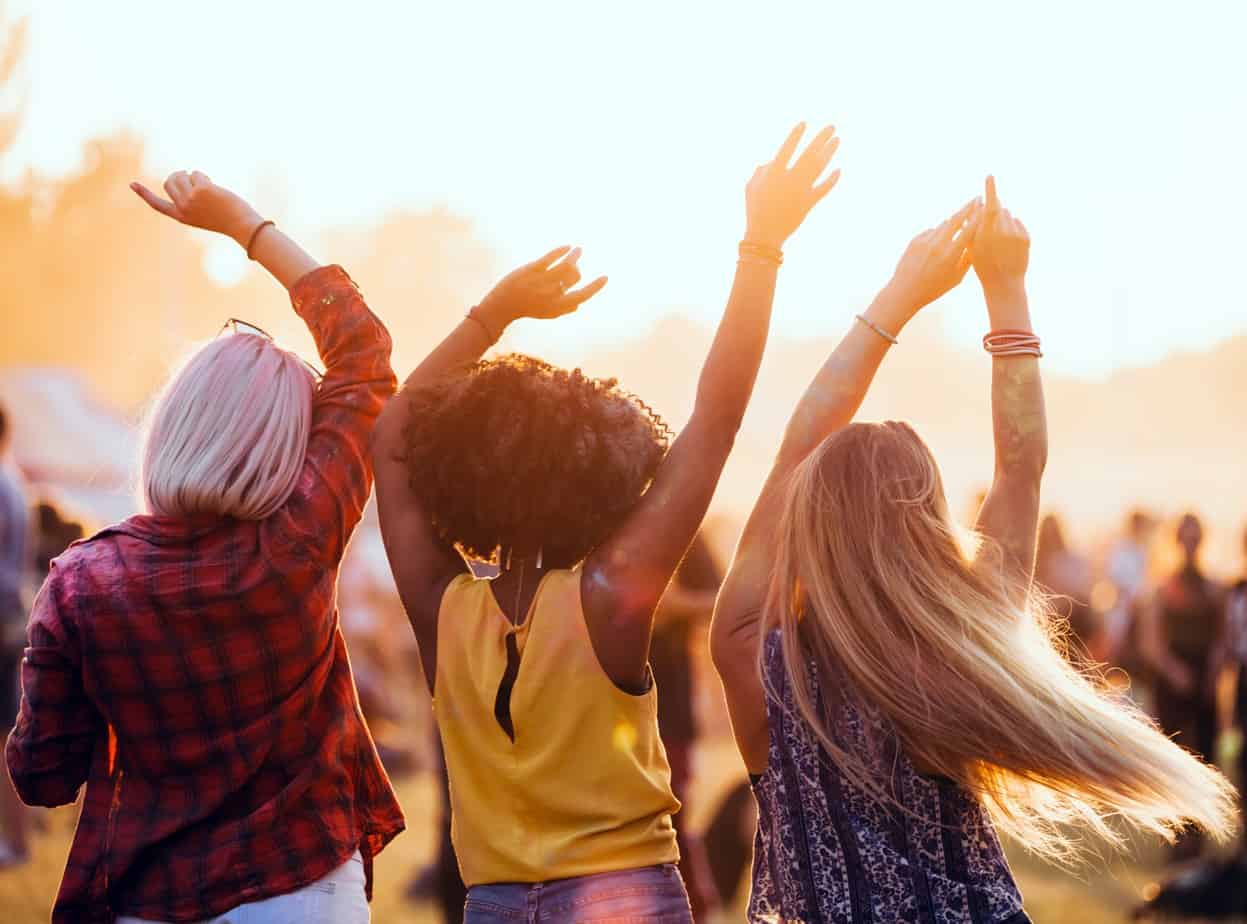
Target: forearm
(837, 391)
(731, 367)
(285, 260)
(463, 346)
(828, 405)
(1019, 423)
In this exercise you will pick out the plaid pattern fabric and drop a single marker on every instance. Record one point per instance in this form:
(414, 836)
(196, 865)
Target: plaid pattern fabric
(191, 672)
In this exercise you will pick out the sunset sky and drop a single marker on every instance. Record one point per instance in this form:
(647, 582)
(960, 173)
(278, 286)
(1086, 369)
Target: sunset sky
(1116, 131)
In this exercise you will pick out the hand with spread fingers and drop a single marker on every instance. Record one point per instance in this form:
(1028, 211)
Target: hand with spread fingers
(933, 263)
(1001, 247)
(196, 201)
(782, 192)
(540, 289)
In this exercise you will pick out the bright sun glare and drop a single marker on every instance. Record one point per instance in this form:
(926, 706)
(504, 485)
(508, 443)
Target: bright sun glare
(631, 129)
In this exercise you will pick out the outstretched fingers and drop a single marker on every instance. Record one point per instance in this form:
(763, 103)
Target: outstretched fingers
(827, 185)
(565, 273)
(786, 150)
(161, 205)
(577, 297)
(178, 187)
(991, 200)
(958, 221)
(817, 154)
(548, 260)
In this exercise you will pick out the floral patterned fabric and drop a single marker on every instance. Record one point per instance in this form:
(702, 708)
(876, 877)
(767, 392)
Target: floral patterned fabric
(828, 851)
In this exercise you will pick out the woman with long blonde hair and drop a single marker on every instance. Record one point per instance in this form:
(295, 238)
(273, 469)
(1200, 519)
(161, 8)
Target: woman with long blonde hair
(895, 699)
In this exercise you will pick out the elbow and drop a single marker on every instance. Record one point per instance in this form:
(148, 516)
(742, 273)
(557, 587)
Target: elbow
(733, 643)
(43, 793)
(386, 431)
(47, 787)
(41, 789)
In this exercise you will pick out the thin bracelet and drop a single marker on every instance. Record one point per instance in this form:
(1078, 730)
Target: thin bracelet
(485, 327)
(1018, 351)
(256, 233)
(756, 261)
(890, 338)
(765, 252)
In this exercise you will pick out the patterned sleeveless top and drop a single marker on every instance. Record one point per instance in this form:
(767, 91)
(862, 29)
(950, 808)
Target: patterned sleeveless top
(827, 851)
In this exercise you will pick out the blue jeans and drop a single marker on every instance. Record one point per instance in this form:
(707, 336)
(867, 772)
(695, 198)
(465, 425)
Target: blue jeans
(336, 898)
(651, 894)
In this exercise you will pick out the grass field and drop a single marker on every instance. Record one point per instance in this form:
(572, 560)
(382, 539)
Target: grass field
(1098, 895)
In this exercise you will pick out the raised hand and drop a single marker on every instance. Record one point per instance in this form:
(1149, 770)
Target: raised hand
(1001, 248)
(934, 262)
(196, 201)
(540, 289)
(779, 196)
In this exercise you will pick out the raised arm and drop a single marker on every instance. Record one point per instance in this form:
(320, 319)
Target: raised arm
(196, 201)
(1010, 514)
(625, 577)
(935, 261)
(353, 344)
(421, 563)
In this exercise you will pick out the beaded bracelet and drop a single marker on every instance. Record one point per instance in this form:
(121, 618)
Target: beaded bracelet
(890, 338)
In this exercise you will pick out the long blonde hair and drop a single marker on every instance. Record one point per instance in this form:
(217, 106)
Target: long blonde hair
(229, 433)
(872, 586)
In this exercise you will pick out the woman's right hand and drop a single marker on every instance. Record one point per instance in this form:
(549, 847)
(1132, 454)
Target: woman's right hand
(779, 197)
(540, 289)
(1001, 246)
(196, 201)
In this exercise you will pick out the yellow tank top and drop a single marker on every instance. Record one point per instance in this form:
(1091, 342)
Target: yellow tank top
(585, 787)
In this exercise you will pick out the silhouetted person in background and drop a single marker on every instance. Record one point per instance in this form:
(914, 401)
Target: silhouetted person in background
(680, 624)
(1232, 653)
(1065, 574)
(1183, 626)
(14, 573)
(1128, 573)
(53, 535)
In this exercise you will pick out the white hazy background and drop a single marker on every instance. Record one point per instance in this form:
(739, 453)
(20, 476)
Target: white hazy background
(1116, 131)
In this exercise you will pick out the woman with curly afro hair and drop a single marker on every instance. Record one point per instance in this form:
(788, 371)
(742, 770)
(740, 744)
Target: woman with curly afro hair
(560, 789)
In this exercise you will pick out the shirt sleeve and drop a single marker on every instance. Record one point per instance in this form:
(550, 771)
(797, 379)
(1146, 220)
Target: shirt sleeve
(354, 346)
(49, 750)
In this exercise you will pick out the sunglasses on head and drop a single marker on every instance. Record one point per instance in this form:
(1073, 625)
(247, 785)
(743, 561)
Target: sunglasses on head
(239, 326)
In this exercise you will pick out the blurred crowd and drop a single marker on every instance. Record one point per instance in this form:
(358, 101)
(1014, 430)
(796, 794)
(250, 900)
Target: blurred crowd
(1141, 605)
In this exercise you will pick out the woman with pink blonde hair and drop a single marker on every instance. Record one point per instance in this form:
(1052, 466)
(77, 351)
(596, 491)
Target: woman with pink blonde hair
(186, 664)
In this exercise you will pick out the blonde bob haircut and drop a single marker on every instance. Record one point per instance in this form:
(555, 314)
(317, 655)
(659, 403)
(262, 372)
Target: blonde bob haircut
(229, 433)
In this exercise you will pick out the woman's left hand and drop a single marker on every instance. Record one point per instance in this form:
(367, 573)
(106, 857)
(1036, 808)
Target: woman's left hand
(934, 262)
(196, 201)
(540, 289)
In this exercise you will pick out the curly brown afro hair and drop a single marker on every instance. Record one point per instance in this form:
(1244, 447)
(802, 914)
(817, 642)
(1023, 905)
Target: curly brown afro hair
(516, 454)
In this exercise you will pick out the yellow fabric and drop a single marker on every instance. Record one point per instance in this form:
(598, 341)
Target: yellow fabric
(585, 787)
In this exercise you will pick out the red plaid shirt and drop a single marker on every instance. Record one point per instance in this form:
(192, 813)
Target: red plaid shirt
(191, 672)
